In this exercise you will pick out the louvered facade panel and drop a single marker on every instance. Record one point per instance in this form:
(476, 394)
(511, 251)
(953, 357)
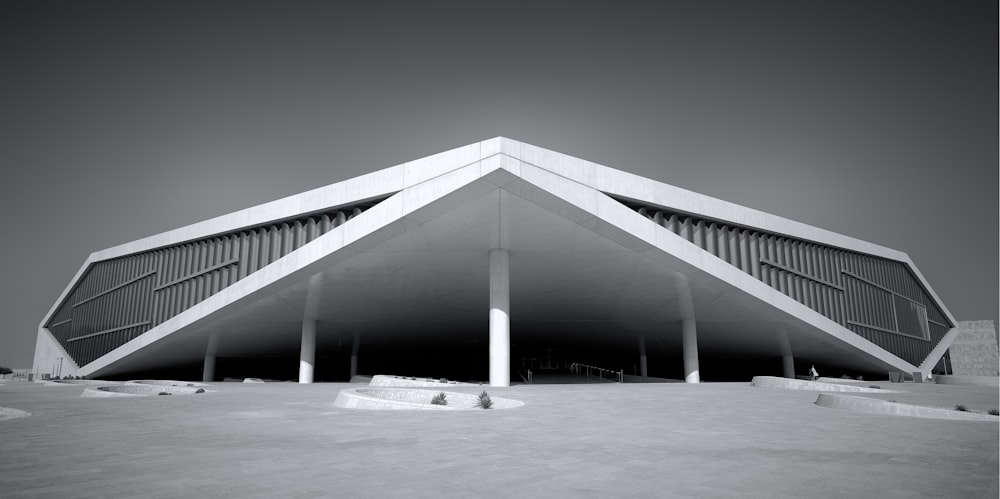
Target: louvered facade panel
(877, 299)
(119, 299)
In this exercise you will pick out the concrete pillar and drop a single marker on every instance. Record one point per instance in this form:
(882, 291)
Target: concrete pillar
(690, 340)
(499, 317)
(354, 354)
(307, 354)
(642, 356)
(208, 367)
(788, 366)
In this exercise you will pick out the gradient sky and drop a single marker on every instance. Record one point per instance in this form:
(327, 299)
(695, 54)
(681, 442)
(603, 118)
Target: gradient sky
(119, 120)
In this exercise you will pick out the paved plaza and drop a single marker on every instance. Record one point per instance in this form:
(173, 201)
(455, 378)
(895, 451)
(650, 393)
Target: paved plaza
(598, 440)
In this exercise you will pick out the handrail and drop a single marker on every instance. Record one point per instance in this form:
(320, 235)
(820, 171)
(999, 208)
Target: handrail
(578, 368)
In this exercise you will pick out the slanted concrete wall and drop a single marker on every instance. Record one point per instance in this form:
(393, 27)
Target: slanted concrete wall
(974, 352)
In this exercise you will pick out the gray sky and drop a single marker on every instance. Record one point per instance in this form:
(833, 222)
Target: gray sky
(119, 120)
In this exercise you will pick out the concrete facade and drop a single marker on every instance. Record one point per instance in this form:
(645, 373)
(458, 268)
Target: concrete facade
(974, 351)
(508, 252)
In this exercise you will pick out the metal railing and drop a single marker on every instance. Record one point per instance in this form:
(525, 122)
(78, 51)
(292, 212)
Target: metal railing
(602, 373)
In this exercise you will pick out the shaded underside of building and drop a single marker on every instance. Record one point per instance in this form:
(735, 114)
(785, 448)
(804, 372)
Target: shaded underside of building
(401, 271)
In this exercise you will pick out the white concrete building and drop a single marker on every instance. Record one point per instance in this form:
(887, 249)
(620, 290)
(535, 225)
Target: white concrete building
(489, 260)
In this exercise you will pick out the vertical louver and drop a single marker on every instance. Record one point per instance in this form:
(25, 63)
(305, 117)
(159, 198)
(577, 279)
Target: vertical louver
(876, 298)
(117, 300)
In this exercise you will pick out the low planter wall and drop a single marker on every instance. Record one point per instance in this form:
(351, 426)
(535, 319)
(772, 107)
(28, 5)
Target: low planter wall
(390, 380)
(876, 406)
(165, 382)
(990, 381)
(137, 389)
(798, 384)
(79, 382)
(413, 399)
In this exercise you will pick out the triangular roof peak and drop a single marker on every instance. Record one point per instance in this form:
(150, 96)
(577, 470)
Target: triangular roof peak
(502, 153)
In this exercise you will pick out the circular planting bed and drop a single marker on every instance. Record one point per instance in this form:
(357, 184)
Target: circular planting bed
(391, 380)
(11, 413)
(58, 382)
(144, 388)
(166, 382)
(414, 399)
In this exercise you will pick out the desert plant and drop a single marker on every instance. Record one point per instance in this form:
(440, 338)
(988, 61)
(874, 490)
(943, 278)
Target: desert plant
(993, 412)
(200, 390)
(439, 399)
(163, 393)
(875, 387)
(484, 401)
(891, 400)
(961, 408)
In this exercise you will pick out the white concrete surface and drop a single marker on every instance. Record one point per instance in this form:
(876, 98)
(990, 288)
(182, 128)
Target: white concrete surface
(690, 342)
(499, 317)
(307, 355)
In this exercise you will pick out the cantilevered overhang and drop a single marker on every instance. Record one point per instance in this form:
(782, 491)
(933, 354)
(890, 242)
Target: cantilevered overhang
(583, 264)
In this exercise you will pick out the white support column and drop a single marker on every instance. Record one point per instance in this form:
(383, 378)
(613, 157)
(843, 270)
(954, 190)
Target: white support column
(788, 366)
(642, 357)
(307, 354)
(690, 340)
(499, 317)
(208, 367)
(354, 354)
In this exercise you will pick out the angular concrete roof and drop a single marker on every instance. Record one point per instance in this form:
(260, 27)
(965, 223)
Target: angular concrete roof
(441, 215)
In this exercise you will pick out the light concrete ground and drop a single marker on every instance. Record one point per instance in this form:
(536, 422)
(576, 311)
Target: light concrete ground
(606, 440)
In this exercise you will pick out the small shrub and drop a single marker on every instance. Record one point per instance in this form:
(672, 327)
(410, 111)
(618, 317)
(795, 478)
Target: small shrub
(190, 384)
(875, 387)
(993, 412)
(891, 400)
(411, 377)
(484, 401)
(961, 408)
(163, 393)
(439, 399)
(200, 390)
